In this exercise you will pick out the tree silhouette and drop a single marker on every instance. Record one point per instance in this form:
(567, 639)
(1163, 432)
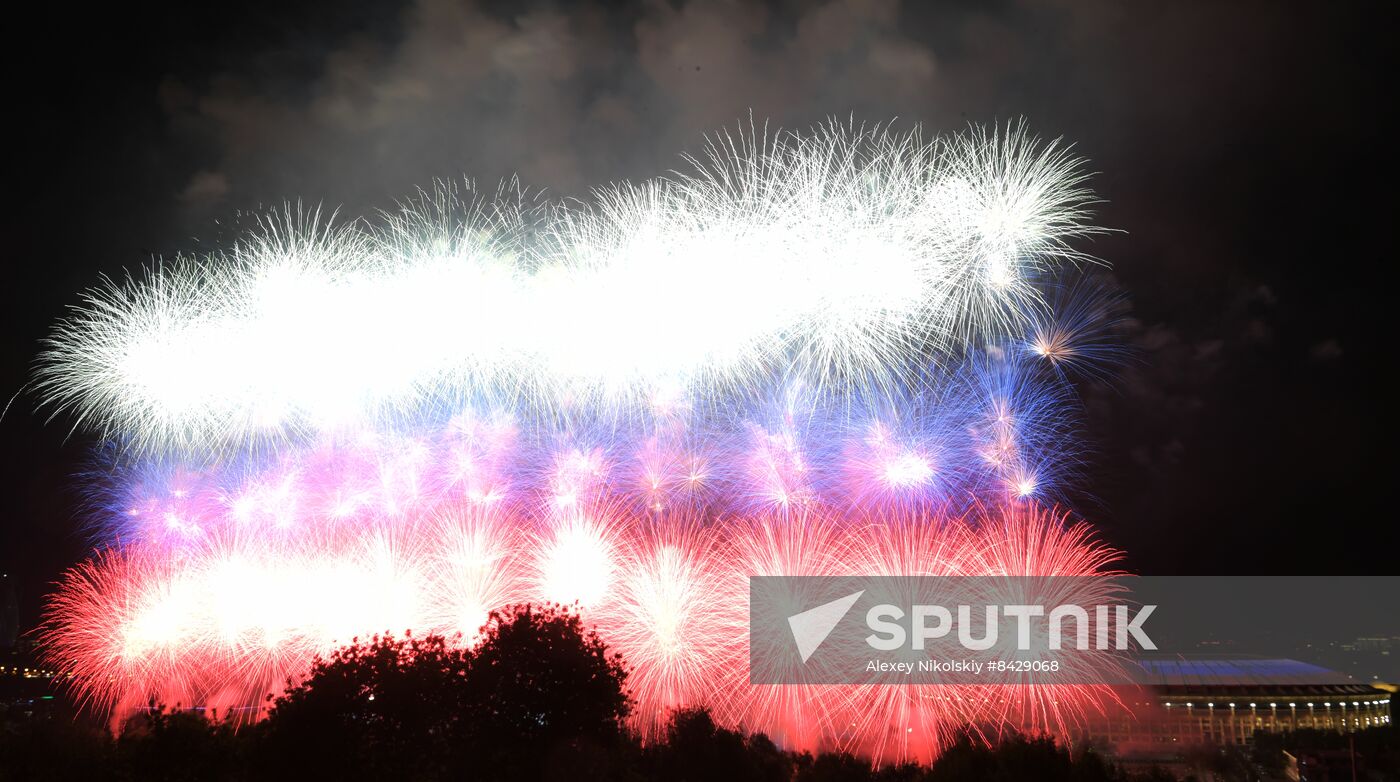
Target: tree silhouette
(697, 750)
(537, 686)
(540, 686)
(164, 744)
(385, 706)
(1017, 758)
(539, 697)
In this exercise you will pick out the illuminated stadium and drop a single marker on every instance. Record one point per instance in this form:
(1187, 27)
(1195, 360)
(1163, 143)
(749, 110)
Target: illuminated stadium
(1227, 701)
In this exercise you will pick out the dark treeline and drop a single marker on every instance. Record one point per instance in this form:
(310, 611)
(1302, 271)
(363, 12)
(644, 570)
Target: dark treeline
(187, 746)
(539, 698)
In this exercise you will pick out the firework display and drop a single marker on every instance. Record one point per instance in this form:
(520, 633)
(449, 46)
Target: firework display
(846, 352)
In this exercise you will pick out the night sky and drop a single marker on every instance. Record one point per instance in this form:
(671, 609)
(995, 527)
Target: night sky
(1241, 149)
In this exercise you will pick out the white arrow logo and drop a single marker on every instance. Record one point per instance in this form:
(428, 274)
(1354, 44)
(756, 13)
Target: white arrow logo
(812, 626)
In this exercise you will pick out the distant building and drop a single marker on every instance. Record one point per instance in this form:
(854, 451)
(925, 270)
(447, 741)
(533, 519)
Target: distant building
(1228, 701)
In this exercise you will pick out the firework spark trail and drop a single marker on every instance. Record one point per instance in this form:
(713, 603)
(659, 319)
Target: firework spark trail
(848, 254)
(1078, 330)
(882, 722)
(375, 531)
(836, 353)
(230, 618)
(940, 452)
(673, 616)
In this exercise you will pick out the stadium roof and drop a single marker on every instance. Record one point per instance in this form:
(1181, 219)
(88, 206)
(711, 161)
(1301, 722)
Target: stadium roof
(1241, 672)
(1247, 674)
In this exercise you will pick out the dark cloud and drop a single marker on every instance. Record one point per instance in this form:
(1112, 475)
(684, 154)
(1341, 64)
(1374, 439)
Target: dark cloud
(1326, 350)
(564, 98)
